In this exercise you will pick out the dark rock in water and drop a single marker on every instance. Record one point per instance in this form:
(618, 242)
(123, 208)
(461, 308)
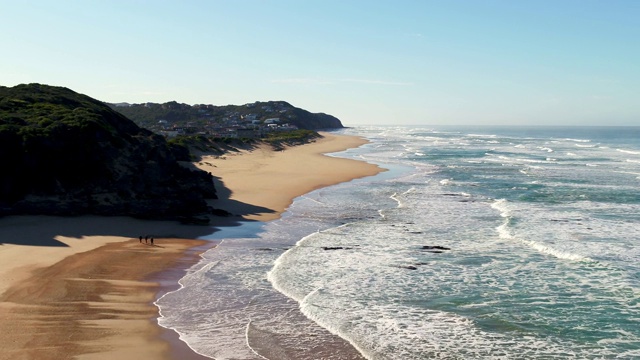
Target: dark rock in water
(436, 247)
(415, 232)
(264, 249)
(408, 267)
(435, 251)
(335, 248)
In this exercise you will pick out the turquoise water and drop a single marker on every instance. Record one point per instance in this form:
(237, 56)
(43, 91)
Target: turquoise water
(515, 243)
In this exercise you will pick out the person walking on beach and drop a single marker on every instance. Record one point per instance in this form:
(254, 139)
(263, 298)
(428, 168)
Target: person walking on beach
(146, 238)
(152, 240)
(140, 239)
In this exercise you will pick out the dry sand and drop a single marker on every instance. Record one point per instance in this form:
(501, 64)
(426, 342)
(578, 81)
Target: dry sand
(79, 287)
(262, 183)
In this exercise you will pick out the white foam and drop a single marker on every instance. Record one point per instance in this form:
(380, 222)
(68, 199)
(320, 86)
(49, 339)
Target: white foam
(577, 140)
(554, 252)
(483, 136)
(249, 345)
(628, 151)
(505, 232)
(369, 295)
(502, 205)
(396, 199)
(310, 199)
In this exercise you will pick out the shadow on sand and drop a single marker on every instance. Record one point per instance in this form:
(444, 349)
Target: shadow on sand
(236, 208)
(40, 230)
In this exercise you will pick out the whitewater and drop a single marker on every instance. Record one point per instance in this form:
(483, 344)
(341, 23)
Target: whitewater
(491, 242)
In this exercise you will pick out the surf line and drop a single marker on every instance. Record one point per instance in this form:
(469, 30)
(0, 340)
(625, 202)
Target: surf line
(246, 338)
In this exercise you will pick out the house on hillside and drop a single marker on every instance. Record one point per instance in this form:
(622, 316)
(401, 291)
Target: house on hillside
(287, 127)
(271, 121)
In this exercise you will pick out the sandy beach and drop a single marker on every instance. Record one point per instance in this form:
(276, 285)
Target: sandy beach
(84, 287)
(86, 296)
(260, 184)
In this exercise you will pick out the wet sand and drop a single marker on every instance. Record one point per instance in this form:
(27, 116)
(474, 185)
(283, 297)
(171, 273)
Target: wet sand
(95, 304)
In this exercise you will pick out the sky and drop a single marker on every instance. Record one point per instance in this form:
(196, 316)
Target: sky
(402, 62)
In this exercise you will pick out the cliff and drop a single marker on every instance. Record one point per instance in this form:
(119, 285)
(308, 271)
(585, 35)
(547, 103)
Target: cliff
(64, 153)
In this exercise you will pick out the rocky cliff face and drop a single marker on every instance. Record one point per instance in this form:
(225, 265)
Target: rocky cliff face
(64, 153)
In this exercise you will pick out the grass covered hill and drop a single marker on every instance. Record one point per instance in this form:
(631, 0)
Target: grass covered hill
(64, 153)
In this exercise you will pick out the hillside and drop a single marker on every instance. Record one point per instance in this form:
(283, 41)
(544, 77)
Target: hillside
(211, 118)
(64, 153)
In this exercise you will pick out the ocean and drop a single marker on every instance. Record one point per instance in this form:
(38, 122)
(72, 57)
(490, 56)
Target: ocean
(488, 242)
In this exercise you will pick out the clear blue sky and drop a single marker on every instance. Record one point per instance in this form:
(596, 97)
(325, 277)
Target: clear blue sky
(560, 62)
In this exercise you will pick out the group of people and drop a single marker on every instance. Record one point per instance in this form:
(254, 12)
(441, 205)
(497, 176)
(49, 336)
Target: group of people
(146, 239)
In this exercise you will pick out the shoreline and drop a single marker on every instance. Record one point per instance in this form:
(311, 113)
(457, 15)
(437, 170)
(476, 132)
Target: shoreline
(167, 281)
(300, 170)
(258, 186)
(261, 184)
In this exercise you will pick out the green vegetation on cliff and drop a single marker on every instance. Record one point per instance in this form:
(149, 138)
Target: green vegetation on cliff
(172, 114)
(277, 140)
(66, 153)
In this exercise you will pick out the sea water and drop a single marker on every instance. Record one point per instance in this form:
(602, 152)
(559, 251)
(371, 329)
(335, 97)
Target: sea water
(510, 243)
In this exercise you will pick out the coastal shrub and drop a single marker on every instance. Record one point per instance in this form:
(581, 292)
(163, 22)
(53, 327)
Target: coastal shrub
(56, 143)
